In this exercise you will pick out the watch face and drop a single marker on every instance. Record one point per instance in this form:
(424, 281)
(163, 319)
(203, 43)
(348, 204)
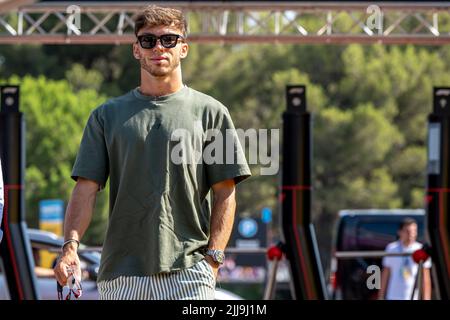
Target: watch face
(219, 256)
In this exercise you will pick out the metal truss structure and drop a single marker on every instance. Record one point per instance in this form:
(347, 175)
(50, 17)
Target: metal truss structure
(232, 22)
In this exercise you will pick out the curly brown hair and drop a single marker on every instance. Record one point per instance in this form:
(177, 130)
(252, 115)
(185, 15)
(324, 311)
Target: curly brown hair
(154, 16)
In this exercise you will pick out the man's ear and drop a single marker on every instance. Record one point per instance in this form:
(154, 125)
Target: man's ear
(136, 52)
(184, 50)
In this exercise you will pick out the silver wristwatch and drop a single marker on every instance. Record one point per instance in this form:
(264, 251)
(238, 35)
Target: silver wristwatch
(217, 255)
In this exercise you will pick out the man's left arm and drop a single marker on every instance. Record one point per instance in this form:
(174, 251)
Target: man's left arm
(222, 217)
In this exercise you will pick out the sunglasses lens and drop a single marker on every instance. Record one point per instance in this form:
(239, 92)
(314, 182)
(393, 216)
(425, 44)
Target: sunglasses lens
(147, 41)
(169, 40)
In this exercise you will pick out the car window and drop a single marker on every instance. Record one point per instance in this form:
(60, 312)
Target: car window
(373, 235)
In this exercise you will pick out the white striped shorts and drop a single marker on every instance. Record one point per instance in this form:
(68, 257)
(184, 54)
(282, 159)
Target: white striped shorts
(195, 283)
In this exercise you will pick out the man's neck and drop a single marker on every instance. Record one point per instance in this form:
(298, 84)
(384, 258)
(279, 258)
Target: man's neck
(159, 86)
(406, 243)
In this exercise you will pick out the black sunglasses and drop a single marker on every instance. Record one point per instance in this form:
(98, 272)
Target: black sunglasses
(148, 41)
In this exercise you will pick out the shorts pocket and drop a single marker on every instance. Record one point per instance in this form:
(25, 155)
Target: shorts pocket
(210, 268)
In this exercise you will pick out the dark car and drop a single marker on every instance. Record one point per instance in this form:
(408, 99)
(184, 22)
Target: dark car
(364, 230)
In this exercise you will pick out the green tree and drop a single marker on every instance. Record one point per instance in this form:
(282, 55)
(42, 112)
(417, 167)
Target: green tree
(55, 117)
(79, 78)
(398, 81)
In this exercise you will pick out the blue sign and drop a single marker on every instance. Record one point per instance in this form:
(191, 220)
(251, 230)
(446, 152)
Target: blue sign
(266, 215)
(51, 210)
(248, 227)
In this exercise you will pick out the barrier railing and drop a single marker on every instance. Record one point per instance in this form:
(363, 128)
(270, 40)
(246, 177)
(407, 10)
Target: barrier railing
(418, 256)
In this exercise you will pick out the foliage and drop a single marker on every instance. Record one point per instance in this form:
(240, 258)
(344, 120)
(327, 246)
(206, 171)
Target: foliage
(55, 117)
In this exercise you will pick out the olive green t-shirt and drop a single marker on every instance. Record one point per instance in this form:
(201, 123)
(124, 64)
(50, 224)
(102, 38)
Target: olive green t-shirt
(160, 204)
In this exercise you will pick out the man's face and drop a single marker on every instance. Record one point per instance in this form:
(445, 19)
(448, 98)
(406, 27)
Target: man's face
(408, 234)
(160, 61)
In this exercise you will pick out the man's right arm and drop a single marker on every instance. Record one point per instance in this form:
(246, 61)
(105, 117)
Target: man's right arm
(78, 217)
(426, 284)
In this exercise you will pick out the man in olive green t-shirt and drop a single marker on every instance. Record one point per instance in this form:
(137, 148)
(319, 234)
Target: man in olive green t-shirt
(167, 231)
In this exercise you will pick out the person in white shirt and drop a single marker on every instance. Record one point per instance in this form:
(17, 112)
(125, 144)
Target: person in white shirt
(400, 272)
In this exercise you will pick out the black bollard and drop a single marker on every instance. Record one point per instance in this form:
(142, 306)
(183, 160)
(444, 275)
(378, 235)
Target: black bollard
(438, 189)
(300, 241)
(15, 247)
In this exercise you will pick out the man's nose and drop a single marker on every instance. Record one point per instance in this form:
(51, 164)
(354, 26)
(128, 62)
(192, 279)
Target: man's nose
(158, 45)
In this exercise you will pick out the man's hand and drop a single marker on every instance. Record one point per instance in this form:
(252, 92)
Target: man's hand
(78, 216)
(213, 264)
(69, 260)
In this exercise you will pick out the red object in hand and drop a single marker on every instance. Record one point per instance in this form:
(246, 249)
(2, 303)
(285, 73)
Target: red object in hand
(420, 255)
(274, 253)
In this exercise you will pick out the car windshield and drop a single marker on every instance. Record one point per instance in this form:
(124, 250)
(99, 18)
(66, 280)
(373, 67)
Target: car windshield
(376, 235)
